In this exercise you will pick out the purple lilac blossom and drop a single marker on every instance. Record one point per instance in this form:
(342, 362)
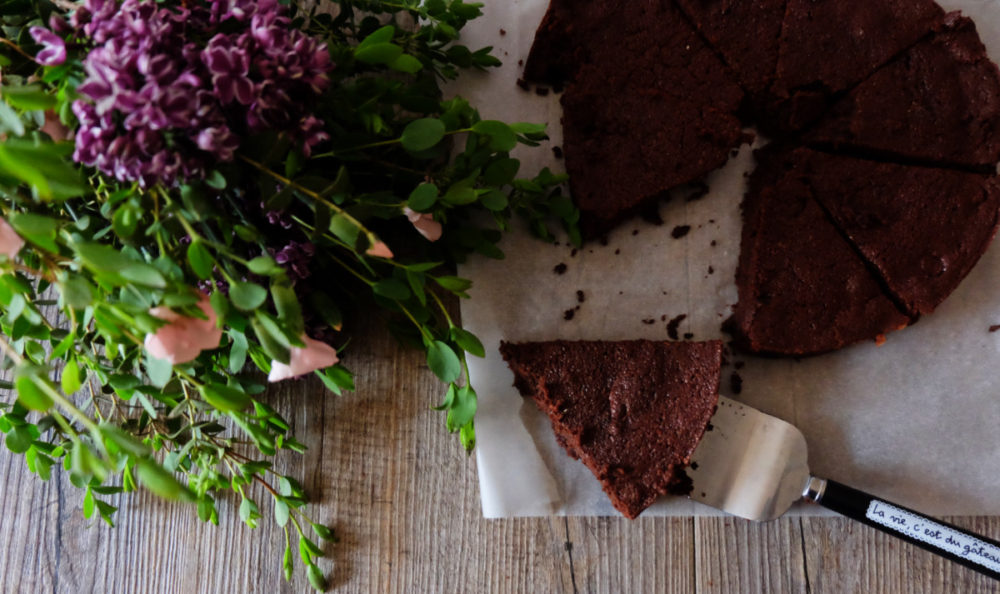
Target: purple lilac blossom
(53, 52)
(161, 108)
(295, 259)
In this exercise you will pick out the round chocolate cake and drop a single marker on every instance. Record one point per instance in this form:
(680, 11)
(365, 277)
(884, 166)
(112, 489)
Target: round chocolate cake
(878, 192)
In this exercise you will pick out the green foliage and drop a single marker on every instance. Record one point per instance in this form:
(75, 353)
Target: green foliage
(75, 305)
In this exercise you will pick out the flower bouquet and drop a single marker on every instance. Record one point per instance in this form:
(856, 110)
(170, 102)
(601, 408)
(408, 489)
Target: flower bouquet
(192, 186)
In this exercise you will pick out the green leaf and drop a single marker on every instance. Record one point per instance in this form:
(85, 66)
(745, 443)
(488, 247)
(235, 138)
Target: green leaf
(200, 260)
(20, 438)
(10, 121)
(467, 435)
(76, 292)
(265, 266)
(70, 380)
(392, 288)
(88, 504)
(323, 532)
(280, 512)
(30, 394)
(420, 135)
(216, 180)
(29, 97)
(463, 409)
(38, 229)
(220, 305)
(206, 508)
(225, 398)
(453, 283)
(502, 171)
(125, 441)
(528, 128)
(443, 361)
(159, 371)
(316, 578)
(423, 197)
(247, 296)
(494, 200)
(289, 310)
(344, 229)
(158, 480)
(406, 63)
(125, 220)
(467, 341)
(460, 194)
(378, 53)
(286, 562)
(381, 35)
(502, 137)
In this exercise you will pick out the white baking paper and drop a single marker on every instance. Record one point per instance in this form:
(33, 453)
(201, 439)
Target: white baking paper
(914, 421)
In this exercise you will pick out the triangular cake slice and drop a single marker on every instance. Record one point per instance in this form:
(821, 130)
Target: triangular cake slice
(938, 103)
(828, 46)
(921, 228)
(803, 289)
(632, 411)
(746, 33)
(626, 150)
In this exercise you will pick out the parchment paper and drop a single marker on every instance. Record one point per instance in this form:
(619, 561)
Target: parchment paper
(915, 420)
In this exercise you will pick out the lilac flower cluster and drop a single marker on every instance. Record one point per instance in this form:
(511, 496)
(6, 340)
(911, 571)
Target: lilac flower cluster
(165, 104)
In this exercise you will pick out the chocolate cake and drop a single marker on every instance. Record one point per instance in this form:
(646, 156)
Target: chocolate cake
(632, 411)
(648, 105)
(644, 150)
(921, 228)
(937, 103)
(827, 46)
(803, 289)
(746, 34)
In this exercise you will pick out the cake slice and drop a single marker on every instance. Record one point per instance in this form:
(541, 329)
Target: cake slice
(921, 228)
(938, 103)
(632, 411)
(828, 46)
(626, 150)
(746, 34)
(803, 289)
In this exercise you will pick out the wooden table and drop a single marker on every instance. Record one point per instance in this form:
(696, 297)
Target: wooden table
(405, 502)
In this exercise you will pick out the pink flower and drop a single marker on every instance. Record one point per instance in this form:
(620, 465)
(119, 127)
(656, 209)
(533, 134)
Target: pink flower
(380, 249)
(10, 242)
(182, 338)
(424, 223)
(315, 355)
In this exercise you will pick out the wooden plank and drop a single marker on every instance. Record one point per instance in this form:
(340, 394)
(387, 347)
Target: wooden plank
(736, 555)
(846, 556)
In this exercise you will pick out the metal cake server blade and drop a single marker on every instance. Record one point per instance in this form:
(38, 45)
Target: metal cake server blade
(755, 466)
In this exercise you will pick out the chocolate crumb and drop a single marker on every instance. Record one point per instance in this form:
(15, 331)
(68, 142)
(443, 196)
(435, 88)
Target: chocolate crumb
(736, 383)
(994, 327)
(568, 314)
(503, 31)
(702, 493)
(580, 297)
(520, 62)
(541, 91)
(711, 221)
(709, 427)
(557, 152)
(617, 251)
(649, 321)
(635, 231)
(711, 270)
(673, 324)
(523, 84)
(680, 231)
(694, 466)
(734, 152)
(700, 190)
(688, 335)
(603, 241)
(663, 318)
(651, 214)
(714, 243)
(572, 253)
(560, 268)
(739, 365)
(577, 308)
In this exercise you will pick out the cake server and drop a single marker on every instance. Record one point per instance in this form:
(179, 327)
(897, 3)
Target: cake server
(756, 466)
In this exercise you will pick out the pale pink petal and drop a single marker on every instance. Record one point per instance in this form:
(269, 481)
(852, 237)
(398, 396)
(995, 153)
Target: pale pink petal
(315, 355)
(54, 128)
(380, 249)
(183, 338)
(424, 223)
(10, 242)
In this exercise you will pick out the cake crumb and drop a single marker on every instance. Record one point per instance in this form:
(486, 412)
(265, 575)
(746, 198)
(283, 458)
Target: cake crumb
(568, 314)
(649, 321)
(714, 243)
(523, 84)
(694, 466)
(994, 327)
(688, 335)
(736, 383)
(673, 324)
(617, 251)
(572, 253)
(557, 152)
(560, 268)
(580, 297)
(700, 190)
(603, 241)
(503, 31)
(711, 270)
(541, 91)
(680, 231)
(635, 232)
(520, 62)
(663, 318)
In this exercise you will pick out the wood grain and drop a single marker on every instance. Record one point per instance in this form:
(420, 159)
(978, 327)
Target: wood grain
(404, 500)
